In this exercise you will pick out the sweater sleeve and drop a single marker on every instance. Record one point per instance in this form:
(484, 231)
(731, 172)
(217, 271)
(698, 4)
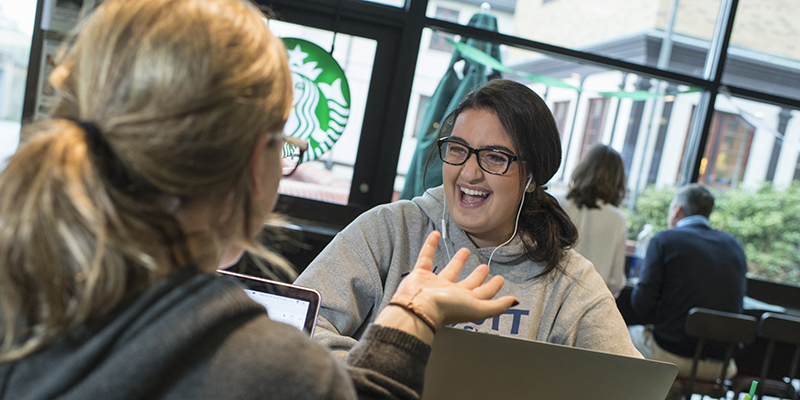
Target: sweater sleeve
(602, 328)
(388, 364)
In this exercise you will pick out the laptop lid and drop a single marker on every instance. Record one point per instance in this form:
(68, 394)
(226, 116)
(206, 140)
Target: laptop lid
(472, 365)
(291, 304)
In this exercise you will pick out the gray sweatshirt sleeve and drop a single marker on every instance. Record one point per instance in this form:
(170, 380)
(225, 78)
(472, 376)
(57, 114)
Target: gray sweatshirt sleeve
(602, 328)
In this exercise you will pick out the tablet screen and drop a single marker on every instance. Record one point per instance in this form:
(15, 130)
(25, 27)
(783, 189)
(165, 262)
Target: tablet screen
(282, 309)
(290, 304)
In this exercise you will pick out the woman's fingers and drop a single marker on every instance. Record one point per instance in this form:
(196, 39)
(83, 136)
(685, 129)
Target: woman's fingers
(492, 308)
(490, 288)
(476, 277)
(453, 268)
(425, 259)
(474, 309)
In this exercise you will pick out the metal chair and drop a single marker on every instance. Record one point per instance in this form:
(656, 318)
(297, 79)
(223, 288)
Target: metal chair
(776, 329)
(717, 326)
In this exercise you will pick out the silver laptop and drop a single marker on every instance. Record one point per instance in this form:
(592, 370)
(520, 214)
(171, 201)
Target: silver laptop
(290, 304)
(471, 365)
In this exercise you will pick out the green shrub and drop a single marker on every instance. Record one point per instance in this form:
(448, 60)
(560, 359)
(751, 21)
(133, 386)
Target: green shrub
(652, 207)
(766, 221)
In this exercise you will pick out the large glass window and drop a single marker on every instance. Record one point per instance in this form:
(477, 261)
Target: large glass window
(725, 158)
(750, 162)
(560, 109)
(673, 35)
(645, 120)
(16, 29)
(750, 158)
(595, 120)
(763, 54)
(439, 40)
(327, 172)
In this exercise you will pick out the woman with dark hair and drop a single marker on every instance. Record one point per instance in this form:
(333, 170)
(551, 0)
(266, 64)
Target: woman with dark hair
(161, 161)
(598, 186)
(493, 204)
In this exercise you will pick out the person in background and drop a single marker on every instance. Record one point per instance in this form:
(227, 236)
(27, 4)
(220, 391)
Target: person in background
(689, 265)
(499, 147)
(592, 203)
(162, 161)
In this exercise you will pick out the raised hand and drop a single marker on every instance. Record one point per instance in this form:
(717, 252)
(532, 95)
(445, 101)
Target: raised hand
(443, 300)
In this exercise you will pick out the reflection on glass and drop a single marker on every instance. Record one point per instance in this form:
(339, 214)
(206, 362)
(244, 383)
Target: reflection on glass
(763, 53)
(439, 40)
(326, 178)
(725, 159)
(668, 34)
(395, 3)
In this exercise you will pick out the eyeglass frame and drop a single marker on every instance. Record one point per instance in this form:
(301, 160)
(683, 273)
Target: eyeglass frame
(471, 151)
(300, 143)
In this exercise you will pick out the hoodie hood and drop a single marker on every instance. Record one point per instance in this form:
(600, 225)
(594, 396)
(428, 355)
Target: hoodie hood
(433, 205)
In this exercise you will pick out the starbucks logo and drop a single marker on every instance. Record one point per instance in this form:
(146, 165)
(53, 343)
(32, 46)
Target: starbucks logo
(321, 103)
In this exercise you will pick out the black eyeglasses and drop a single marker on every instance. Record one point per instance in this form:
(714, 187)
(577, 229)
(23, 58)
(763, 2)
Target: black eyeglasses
(292, 153)
(492, 161)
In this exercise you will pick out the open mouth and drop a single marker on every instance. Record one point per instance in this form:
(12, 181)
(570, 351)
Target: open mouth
(473, 196)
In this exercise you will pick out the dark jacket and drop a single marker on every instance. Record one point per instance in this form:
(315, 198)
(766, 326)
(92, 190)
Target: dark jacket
(197, 336)
(686, 267)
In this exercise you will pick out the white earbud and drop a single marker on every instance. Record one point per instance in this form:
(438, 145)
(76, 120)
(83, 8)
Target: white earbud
(528, 187)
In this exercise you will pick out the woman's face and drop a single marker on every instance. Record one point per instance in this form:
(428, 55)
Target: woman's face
(482, 204)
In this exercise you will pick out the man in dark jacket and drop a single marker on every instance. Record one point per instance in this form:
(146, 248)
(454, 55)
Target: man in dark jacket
(689, 265)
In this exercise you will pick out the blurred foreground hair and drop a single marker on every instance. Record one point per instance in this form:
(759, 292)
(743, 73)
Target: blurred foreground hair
(160, 104)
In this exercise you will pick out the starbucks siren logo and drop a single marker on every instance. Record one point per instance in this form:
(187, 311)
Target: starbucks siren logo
(321, 103)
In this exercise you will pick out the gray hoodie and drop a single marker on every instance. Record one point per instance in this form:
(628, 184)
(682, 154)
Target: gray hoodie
(360, 270)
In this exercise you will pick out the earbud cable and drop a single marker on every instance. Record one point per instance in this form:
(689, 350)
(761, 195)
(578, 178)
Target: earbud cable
(516, 223)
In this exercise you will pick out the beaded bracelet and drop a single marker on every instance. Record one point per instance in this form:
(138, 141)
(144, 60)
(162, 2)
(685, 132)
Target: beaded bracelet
(409, 305)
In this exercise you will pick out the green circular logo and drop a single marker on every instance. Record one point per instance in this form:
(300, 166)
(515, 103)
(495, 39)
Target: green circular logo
(321, 103)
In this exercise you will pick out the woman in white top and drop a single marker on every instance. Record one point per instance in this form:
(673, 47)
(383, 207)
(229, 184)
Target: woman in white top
(596, 190)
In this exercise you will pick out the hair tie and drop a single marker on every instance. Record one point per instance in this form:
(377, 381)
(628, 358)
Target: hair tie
(105, 159)
(94, 140)
(92, 133)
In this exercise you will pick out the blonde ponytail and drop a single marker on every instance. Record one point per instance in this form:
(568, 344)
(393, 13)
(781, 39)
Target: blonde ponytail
(172, 96)
(59, 248)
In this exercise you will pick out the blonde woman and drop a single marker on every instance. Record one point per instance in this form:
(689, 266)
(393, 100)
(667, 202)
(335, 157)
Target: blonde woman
(161, 161)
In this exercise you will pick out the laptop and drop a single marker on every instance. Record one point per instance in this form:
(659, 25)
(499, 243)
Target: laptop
(471, 365)
(290, 304)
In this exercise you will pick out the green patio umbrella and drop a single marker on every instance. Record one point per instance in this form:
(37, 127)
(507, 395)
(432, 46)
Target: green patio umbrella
(426, 172)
